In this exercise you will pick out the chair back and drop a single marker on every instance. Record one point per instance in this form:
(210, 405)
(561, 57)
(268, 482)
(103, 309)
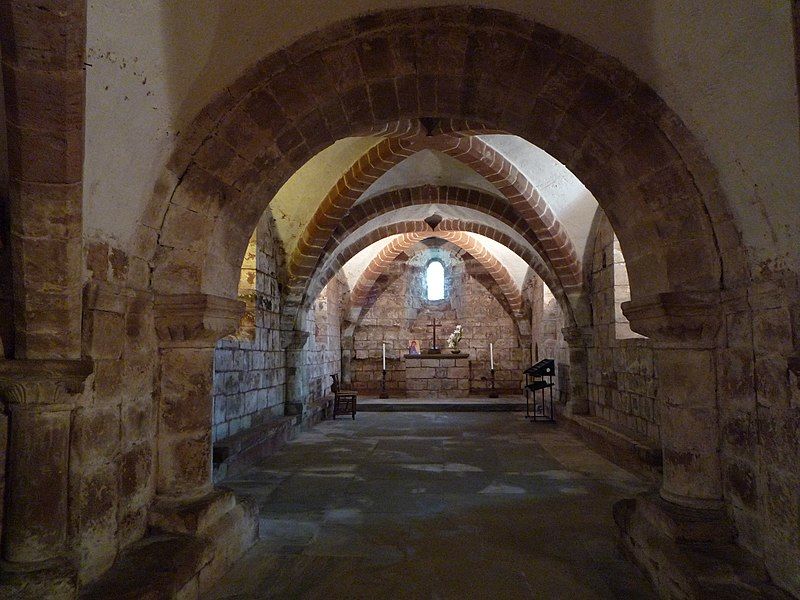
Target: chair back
(335, 384)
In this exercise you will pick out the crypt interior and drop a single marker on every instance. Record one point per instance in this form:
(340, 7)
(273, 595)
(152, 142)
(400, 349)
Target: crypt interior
(211, 208)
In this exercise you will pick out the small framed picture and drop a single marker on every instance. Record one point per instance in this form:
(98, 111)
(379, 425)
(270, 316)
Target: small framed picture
(413, 346)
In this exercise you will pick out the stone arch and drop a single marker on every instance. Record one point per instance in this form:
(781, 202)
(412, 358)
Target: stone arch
(491, 71)
(395, 247)
(527, 206)
(377, 208)
(507, 74)
(447, 226)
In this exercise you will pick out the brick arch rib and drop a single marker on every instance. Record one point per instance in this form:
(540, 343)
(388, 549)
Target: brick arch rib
(344, 253)
(549, 237)
(387, 255)
(588, 111)
(374, 210)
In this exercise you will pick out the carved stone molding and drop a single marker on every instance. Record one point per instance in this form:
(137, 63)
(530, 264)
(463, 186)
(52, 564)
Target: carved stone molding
(55, 384)
(195, 320)
(684, 318)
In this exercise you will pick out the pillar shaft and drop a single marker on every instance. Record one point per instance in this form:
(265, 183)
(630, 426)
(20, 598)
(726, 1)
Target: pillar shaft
(683, 328)
(578, 339)
(185, 421)
(36, 514)
(44, 75)
(40, 397)
(188, 327)
(689, 427)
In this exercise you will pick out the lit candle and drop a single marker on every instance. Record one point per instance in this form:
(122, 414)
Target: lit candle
(384, 356)
(491, 356)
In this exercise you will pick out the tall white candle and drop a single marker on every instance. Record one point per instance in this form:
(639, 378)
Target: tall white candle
(384, 356)
(491, 356)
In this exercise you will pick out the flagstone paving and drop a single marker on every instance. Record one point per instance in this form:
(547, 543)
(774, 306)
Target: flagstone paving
(435, 505)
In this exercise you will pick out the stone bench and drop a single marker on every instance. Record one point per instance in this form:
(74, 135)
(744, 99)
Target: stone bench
(234, 453)
(621, 447)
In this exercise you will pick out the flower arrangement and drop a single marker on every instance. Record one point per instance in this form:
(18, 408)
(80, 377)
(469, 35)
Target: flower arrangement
(454, 338)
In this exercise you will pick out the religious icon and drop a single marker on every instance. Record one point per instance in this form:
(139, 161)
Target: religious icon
(413, 347)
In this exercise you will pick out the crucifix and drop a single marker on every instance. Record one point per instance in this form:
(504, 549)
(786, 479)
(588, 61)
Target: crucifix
(434, 349)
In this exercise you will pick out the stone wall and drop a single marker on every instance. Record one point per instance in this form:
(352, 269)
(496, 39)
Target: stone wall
(402, 312)
(621, 370)
(250, 367)
(254, 376)
(759, 403)
(547, 339)
(321, 356)
(113, 438)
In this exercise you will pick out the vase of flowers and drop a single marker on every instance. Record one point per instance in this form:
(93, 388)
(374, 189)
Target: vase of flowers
(454, 339)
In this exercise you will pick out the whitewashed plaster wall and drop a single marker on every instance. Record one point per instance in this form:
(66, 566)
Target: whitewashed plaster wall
(428, 167)
(726, 68)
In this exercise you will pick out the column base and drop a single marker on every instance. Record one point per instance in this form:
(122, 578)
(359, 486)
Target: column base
(54, 579)
(689, 553)
(225, 524)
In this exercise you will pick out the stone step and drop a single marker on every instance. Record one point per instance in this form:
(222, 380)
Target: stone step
(158, 566)
(402, 405)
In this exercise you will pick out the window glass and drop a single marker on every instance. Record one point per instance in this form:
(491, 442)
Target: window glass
(435, 279)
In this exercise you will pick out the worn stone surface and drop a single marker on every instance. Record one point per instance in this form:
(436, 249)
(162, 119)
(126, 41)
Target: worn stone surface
(424, 504)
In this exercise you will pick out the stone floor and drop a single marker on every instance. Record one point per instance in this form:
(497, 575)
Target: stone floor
(435, 505)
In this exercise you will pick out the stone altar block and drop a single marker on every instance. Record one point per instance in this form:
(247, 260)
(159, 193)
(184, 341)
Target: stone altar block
(443, 375)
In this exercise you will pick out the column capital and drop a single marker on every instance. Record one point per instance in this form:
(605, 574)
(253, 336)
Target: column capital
(686, 318)
(54, 384)
(195, 320)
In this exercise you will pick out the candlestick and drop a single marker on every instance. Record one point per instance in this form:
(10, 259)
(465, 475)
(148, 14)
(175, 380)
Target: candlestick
(384, 393)
(384, 356)
(491, 356)
(493, 392)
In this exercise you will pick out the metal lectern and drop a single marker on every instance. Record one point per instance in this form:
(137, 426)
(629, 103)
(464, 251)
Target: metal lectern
(540, 377)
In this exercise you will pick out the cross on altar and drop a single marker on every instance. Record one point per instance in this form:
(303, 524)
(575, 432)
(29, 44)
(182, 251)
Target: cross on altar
(434, 333)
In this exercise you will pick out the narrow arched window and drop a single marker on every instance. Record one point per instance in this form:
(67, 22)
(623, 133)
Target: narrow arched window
(435, 279)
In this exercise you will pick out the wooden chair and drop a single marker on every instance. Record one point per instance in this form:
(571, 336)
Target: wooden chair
(344, 401)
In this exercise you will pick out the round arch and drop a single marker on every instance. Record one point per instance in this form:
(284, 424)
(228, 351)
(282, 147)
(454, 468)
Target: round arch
(585, 109)
(447, 226)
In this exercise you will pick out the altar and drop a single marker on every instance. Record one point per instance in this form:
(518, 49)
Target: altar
(444, 375)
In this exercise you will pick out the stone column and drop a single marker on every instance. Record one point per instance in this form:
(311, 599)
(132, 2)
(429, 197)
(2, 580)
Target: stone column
(683, 329)
(43, 48)
(40, 397)
(188, 328)
(292, 343)
(578, 339)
